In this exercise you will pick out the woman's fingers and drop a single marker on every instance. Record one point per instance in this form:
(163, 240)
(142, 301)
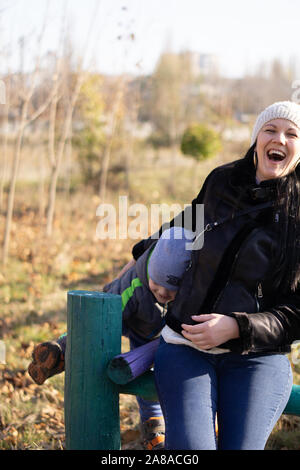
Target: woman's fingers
(193, 329)
(211, 330)
(197, 333)
(203, 317)
(198, 339)
(199, 327)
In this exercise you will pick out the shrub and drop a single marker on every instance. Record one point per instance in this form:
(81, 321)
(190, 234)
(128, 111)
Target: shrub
(200, 142)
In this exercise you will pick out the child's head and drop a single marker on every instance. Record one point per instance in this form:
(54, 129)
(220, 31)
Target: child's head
(168, 262)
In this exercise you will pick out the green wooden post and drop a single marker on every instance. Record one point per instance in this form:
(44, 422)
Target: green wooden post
(144, 386)
(293, 405)
(91, 400)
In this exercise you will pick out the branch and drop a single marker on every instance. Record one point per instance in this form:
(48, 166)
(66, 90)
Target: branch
(41, 109)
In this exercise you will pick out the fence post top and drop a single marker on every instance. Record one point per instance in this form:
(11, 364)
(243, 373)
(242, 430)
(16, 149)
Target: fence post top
(93, 294)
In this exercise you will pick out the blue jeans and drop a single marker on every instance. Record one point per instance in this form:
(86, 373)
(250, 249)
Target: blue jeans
(248, 393)
(147, 408)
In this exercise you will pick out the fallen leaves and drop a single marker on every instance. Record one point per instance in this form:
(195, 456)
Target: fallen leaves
(33, 289)
(28, 409)
(33, 304)
(14, 379)
(20, 413)
(129, 423)
(10, 436)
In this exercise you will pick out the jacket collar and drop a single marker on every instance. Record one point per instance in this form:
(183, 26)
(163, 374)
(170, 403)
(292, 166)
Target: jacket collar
(244, 181)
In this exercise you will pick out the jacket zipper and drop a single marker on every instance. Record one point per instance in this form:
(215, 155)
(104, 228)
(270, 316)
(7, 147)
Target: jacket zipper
(227, 281)
(164, 311)
(213, 304)
(209, 303)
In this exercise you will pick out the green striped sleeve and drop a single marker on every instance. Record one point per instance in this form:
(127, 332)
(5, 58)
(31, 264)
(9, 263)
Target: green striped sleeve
(128, 293)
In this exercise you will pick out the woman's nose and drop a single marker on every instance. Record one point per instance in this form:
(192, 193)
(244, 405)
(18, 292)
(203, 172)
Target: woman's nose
(280, 137)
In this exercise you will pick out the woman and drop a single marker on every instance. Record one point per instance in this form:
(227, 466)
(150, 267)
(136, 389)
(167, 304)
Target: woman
(223, 349)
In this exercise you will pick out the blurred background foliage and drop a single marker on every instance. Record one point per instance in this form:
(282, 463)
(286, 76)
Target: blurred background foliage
(72, 138)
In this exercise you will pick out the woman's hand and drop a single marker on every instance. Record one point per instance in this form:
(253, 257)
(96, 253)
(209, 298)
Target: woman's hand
(212, 330)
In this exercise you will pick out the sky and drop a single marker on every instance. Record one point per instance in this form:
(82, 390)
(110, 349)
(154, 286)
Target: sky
(128, 36)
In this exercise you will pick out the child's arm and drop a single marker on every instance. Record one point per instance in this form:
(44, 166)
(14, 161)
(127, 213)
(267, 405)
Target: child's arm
(126, 267)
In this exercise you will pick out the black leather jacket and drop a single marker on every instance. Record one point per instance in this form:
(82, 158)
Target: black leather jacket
(233, 273)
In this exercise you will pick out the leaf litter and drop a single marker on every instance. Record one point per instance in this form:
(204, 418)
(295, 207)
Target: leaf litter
(33, 301)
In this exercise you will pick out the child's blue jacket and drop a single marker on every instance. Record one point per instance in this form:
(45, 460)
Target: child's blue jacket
(141, 312)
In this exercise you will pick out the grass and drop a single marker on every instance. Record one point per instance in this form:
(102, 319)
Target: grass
(33, 293)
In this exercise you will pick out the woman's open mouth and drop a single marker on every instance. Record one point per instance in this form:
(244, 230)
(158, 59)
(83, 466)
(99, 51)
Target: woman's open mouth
(276, 155)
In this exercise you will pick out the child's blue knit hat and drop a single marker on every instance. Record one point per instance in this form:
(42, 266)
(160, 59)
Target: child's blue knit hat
(171, 257)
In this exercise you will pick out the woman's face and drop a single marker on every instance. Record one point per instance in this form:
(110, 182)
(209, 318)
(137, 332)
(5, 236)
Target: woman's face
(278, 149)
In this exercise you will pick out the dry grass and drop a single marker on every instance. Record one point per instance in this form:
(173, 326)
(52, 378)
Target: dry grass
(33, 292)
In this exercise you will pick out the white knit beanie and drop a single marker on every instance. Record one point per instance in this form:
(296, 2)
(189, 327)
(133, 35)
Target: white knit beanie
(280, 110)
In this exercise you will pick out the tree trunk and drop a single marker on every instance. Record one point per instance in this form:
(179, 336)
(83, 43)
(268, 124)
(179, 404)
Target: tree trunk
(69, 154)
(42, 185)
(4, 148)
(105, 167)
(107, 152)
(57, 164)
(51, 199)
(12, 189)
(16, 162)
(173, 135)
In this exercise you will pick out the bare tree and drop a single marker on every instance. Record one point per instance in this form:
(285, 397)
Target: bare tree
(5, 124)
(56, 155)
(112, 123)
(26, 117)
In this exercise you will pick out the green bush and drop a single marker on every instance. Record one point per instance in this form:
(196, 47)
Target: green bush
(200, 142)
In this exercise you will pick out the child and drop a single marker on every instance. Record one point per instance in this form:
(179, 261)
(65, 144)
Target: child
(145, 289)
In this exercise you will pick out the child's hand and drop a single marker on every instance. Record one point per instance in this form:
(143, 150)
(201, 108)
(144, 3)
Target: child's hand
(213, 329)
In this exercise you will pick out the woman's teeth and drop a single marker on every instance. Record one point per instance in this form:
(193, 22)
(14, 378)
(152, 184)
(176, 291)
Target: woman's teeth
(276, 155)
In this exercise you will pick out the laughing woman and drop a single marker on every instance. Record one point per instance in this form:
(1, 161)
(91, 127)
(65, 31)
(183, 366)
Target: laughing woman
(223, 349)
